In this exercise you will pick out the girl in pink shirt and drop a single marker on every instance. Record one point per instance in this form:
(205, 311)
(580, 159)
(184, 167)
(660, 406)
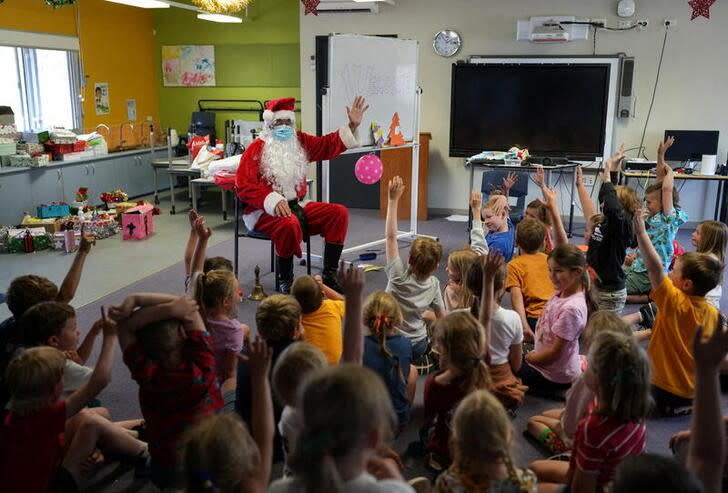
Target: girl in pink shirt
(554, 363)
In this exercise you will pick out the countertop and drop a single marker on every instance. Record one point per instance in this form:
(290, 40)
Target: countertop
(8, 170)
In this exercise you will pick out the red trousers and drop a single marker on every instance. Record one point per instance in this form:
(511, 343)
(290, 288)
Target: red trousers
(328, 220)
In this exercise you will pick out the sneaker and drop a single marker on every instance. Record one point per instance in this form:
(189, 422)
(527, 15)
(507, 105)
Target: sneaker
(648, 312)
(420, 484)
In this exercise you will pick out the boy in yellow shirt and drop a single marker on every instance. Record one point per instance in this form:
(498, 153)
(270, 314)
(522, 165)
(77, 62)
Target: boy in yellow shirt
(528, 275)
(681, 303)
(323, 312)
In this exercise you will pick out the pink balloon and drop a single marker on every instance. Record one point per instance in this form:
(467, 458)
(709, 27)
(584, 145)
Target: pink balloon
(368, 169)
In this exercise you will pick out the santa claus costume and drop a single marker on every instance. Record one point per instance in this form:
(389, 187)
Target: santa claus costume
(271, 180)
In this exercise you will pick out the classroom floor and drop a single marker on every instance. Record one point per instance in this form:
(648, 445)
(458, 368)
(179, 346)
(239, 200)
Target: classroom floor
(116, 268)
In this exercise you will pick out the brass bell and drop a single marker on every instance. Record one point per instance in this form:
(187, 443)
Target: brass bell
(258, 293)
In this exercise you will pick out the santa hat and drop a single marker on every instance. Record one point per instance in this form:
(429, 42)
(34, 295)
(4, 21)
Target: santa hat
(280, 109)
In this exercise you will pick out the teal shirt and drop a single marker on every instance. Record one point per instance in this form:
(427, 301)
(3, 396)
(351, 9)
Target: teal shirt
(662, 230)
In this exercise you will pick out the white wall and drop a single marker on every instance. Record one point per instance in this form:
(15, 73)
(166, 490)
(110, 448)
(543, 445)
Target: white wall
(692, 92)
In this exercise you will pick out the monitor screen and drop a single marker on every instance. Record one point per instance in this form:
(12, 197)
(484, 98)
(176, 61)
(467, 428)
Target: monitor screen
(690, 145)
(557, 109)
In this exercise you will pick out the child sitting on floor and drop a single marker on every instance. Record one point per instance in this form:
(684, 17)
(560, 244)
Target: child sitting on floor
(321, 317)
(536, 209)
(169, 355)
(220, 454)
(456, 295)
(414, 287)
(39, 422)
(482, 442)
(500, 236)
(619, 375)
(555, 428)
(197, 242)
(528, 276)
(681, 306)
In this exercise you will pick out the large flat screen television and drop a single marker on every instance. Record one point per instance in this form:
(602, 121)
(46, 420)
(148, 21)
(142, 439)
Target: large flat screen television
(690, 145)
(553, 109)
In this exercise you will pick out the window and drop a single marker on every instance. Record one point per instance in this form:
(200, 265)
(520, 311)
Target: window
(41, 86)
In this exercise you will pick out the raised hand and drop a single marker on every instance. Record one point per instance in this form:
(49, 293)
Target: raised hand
(86, 240)
(500, 205)
(508, 181)
(618, 156)
(351, 280)
(355, 113)
(549, 196)
(709, 354)
(192, 217)
(538, 177)
(109, 326)
(201, 228)
(580, 176)
(476, 201)
(491, 263)
(664, 145)
(259, 359)
(638, 221)
(396, 188)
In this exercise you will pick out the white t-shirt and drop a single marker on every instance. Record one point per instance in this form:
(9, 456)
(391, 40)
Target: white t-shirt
(505, 331)
(75, 376)
(366, 483)
(290, 426)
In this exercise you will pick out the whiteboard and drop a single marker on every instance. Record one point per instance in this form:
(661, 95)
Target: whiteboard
(384, 71)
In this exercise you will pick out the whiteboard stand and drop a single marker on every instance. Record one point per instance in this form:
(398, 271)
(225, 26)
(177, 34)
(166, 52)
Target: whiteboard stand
(414, 174)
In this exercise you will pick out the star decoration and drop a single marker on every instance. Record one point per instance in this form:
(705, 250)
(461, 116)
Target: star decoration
(310, 6)
(58, 245)
(700, 8)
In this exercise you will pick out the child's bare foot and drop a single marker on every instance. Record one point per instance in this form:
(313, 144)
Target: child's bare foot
(91, 464)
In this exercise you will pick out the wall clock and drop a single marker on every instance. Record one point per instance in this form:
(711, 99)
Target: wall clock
(446, 42)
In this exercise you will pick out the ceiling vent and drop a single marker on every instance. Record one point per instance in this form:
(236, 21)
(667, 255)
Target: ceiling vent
(348, 7)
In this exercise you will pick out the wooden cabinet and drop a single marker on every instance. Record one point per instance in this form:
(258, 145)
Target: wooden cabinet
(399, 162)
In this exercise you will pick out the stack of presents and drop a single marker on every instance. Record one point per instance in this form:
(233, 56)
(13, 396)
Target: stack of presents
(59, 225)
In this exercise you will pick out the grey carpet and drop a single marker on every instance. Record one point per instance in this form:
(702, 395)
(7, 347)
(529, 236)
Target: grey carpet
(365, 226)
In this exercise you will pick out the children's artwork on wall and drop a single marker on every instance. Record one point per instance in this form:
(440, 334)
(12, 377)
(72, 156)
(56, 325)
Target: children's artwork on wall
(101, 98)
(188, 65)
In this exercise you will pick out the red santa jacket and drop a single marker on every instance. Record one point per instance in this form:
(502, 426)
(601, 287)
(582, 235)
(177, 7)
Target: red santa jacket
(257, 192)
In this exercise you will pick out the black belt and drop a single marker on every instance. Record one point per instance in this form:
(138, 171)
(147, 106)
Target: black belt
(297, 210)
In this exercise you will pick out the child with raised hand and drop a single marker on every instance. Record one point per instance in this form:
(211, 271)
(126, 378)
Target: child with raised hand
(388, 353)
(608, 237)
(500, 234)
(196, 250)
(347, 417)
(482, 449)
(414, 286)
(619, 375)
(528, 279)
(536, 209)
(554, 363)
(170, 356)
(32, 458)
(664, 219)
(461, 343)
(555, 428)
(456, 295)
(681, 306)
(220, 454)
(321, 317)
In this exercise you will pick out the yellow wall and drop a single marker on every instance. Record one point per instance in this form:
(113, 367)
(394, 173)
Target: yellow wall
(117, 46)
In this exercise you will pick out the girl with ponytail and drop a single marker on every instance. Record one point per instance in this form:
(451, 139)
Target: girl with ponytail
(554, 363)
(481, 443)
(389, 354)
(347, 416)
(460, 341)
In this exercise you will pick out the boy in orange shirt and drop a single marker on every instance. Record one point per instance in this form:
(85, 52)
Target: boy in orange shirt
(681, 303)
(528, 275)
(321, 317)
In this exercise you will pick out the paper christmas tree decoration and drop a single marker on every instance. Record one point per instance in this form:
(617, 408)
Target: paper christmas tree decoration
(395, 133)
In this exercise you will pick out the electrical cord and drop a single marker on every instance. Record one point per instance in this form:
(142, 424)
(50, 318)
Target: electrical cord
(654, 92)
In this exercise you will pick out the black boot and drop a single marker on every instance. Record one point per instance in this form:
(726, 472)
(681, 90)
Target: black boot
(285, 274)
(332, 254)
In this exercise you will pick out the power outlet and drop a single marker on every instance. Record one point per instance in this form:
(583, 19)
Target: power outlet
(624, 24)
(642, 23)
(670, 23)
(588, 180)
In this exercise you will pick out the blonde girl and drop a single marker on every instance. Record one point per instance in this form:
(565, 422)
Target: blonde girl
(460, 341)
(482, 450)
(619, 376)
(217, 294)
(711, 237)
(554, 363)
(388, 353)
(555, 428)
(456, 295)
(347, 416)
(220, 455)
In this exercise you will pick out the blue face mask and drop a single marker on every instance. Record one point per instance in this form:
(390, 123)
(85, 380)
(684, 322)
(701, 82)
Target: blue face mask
(283, 132)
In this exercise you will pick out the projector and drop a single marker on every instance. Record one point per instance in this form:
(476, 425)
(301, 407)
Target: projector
(549, 33)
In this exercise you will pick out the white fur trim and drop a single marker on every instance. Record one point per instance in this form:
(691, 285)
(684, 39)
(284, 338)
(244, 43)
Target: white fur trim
(270, 202)
(268, 115)
(251, 219)
(349, 138)
(282, 115)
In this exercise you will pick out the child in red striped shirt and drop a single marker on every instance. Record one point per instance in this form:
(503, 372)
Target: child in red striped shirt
(614, 429)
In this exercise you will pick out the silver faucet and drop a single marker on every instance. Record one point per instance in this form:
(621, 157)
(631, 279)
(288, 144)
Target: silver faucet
(101, 125)
(121, 132)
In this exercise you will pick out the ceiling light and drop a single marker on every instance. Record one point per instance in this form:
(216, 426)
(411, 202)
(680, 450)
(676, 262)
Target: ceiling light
(145, 4)
(227, 19)
(222, 6)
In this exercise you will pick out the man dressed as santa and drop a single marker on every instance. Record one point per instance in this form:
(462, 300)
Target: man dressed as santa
(271, 180)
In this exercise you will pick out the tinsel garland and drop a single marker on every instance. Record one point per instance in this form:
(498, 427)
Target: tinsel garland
(56, 4)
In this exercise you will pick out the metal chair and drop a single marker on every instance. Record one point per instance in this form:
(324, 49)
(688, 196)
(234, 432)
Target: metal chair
(256, 235)
(493, 179)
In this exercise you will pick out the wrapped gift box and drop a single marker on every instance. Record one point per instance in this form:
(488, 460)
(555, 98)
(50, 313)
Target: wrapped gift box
(27, 161)
(121, 207)
(137, 223)
(50, 224)
(41, 240)
(99, 227)
(53, 210)
(64, 241)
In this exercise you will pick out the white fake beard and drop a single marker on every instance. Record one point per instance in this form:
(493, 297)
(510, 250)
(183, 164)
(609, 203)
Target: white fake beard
(284, 164)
